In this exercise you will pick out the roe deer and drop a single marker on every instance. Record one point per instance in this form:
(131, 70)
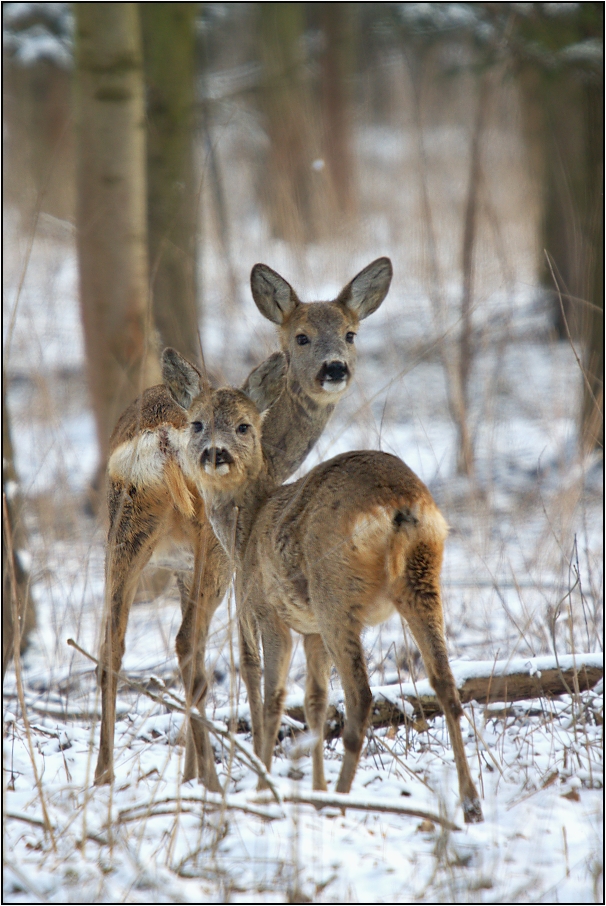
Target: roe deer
(354, 541)
(153, 498)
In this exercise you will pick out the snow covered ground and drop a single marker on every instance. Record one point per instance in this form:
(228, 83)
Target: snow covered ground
(522, 574)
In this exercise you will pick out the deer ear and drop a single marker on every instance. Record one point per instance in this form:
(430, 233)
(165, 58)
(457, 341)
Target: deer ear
(367, 289)
(274, 297)
(267, 381)
(183, 380)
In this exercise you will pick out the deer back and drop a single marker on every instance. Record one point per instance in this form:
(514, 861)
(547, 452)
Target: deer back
(351, 524)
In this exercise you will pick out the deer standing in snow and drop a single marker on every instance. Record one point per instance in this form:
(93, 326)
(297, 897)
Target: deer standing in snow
(154, 500)
(357, 539)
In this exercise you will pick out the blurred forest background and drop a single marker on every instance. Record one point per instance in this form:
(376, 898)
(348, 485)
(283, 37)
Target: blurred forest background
(463, 139)
(152, 154)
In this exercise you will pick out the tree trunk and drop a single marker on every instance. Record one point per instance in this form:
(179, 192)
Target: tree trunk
(466, 350)
(488, 682)
(111, 211)
(564, 128)
(337, 22)
(592, 325)
(16, 598)
(39, 141)
(289, 192)
(172, 196)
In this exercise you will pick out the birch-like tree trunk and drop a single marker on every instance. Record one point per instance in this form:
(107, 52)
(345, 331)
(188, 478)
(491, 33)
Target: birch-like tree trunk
(111, 210)
(290, 189)
(172, 196)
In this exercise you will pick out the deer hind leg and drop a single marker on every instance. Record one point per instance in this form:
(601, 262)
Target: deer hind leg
(277, 647)
(419, 602)
(199, 600)
(132, 537)
(316, 701)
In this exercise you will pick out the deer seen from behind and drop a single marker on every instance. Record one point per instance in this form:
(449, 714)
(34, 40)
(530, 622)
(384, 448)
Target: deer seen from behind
(356, 540)
(155, 505)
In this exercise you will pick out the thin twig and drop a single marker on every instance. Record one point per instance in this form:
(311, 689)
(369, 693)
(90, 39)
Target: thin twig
(209, 801)
(17, 662)
(346, 801)
(402, 764)
(39, 822)
(180, 707)
(572, 346)
(342, 801)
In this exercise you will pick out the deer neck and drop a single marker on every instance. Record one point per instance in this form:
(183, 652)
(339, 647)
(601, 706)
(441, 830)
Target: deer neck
(232, 513)
(291, 428)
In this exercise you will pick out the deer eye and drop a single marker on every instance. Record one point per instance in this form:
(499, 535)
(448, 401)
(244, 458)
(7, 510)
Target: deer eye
(302, 339)
(350, 336)
(197, 426)
(243, 428)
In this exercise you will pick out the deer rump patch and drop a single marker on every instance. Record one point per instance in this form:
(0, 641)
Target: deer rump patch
(380, 542)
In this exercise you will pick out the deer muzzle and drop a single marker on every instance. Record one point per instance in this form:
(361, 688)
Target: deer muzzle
(334, 376)
(216, 460)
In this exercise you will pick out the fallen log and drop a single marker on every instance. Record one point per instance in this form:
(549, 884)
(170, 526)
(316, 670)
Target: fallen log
(485, 682)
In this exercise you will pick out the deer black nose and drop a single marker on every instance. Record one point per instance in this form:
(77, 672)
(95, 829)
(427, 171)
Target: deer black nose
(335, 371)
(216, 456)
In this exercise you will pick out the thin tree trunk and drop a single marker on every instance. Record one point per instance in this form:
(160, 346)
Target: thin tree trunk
(289, 191)
(18, 609)
(337, 21)
(172, 197)
(465, 455)
(111, 211)
(592, 416)
(39, 140)
(563, 199)
(564, 125)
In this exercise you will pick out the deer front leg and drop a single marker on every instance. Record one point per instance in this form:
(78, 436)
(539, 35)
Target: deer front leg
(350, 662)
(316, 701)
(277, 647)
(335, 603)
(250, 665)
(199, 601)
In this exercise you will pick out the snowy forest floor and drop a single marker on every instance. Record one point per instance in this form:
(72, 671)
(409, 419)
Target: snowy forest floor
(522, 577)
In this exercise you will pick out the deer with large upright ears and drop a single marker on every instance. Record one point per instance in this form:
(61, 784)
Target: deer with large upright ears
(154, 501)
(356, 540)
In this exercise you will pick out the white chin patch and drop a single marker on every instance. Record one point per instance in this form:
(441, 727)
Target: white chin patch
(223, 469)
(334, 386)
